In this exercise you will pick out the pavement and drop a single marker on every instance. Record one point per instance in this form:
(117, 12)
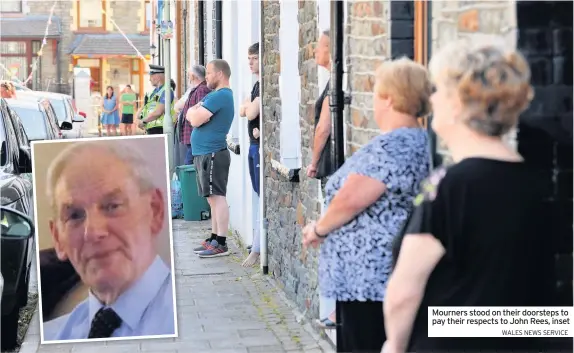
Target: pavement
(222, 307)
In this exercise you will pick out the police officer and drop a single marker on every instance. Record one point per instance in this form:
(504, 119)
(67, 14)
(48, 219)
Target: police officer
(153, 110)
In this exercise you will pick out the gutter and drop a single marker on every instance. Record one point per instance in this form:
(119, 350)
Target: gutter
(201, 32)
(218, 29)
(263, 222)
(59, 69)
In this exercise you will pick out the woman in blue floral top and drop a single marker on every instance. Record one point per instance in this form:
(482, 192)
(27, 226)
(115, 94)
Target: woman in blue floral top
(368, 199)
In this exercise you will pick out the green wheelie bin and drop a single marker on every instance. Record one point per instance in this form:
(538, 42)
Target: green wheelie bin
(195, 207)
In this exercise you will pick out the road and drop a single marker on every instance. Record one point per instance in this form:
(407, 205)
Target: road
(222, 308)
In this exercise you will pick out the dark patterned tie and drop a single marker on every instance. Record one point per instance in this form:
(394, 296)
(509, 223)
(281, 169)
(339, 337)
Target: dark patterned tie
(104, 323)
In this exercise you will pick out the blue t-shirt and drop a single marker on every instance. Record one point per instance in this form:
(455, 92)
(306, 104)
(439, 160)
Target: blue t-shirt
(211, 137)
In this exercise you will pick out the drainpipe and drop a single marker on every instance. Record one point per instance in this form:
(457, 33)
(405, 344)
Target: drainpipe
(201, 32)
(218, 30)
(337, 96)
(167, 118)
(159, 45)
(186, 63)
(263, 223)
(59, 67)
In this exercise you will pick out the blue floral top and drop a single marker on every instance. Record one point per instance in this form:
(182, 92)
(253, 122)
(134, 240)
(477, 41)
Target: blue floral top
(356, 259)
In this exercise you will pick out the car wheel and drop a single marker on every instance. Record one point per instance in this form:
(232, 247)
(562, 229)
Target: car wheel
(10, 329)
(23, 290)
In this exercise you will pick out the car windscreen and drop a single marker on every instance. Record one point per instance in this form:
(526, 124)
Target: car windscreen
(59, 109)
(34, 122)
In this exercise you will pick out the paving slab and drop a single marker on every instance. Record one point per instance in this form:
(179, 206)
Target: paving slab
(222, 308)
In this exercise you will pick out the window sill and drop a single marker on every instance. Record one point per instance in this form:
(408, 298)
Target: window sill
(291, 175)
(12, 14)
(233, 147)
(90, 31)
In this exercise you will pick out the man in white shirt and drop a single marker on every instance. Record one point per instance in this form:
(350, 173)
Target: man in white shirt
(107, 214)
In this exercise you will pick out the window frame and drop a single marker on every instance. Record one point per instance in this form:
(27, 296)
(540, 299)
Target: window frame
(90, 29)
(21, 2)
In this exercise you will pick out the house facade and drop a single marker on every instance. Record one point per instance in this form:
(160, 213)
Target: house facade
(203, 31)
(375, 31)
(81, 34)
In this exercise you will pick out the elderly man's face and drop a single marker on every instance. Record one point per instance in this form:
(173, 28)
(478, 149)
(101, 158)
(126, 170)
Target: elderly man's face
(105, 225)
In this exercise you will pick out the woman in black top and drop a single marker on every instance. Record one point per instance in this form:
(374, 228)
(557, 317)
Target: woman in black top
(474, 238)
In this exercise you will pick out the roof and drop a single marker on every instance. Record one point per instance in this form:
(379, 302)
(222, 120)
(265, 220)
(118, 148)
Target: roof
(23, 103)
(33, 26)
(109, 44)
(42, 94)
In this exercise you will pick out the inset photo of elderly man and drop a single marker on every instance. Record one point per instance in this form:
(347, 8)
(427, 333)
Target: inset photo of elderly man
(104, 239)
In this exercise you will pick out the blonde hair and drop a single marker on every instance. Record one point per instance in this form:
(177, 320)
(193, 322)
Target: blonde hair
(491, 80)
(407, 84)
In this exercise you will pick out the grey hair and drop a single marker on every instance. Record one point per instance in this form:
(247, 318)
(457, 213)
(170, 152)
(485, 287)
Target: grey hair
(198, 71)
(123, 151)
(491, 78)
(327, 32)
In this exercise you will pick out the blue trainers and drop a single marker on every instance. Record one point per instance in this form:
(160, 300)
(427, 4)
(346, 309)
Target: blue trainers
(214, 250)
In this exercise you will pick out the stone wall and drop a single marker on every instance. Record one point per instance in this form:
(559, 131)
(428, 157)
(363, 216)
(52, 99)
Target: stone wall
(128, 14)
(368, 44)
(290, 205)
(49, 62)
(452, 20)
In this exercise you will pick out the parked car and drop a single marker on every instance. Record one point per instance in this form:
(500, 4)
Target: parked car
(39, 123)
(16, 201)
(63, 108)
(17, 238)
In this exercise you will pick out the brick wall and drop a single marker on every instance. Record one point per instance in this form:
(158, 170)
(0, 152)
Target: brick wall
(545, 130)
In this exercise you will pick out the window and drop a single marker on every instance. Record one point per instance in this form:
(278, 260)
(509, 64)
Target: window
(3, 140)
(90, 14)
(148, 15)
(12, 48)
(11, 6)
(289, 86)
(60, 109)
(34, 122)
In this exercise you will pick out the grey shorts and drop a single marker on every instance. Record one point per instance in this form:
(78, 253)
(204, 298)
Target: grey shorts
(212, 173)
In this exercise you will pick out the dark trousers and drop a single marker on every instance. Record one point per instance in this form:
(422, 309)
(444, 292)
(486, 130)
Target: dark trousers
(188, 156)
(253, 158)
(361, 327)
(155, 131)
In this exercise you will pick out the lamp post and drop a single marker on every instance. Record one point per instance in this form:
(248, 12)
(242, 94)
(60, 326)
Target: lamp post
(167, 120)
(152, 50)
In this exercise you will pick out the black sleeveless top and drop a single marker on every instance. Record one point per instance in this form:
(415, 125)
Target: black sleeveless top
(325, 164)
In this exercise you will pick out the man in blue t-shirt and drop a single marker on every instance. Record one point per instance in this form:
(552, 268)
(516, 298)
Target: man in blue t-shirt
(211, 119)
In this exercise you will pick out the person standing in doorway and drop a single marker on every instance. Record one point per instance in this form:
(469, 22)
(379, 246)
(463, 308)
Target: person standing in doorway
(153, 111)
(250, 110)
(197, 92)
(127, 102)
(110, 115)
(211, 119)
(321, 166)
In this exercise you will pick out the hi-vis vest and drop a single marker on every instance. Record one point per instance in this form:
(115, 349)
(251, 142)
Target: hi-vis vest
(150, 107)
